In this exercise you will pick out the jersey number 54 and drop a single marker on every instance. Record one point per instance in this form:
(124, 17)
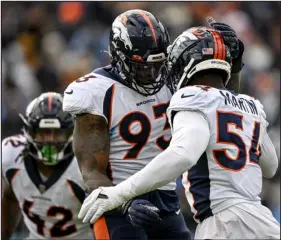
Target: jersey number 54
(228, 137)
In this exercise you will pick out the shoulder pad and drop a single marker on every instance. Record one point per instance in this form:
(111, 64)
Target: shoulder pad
(12, 147)
(189, 98)
(86, 95)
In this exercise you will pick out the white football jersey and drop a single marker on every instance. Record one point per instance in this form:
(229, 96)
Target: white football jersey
(138, 125)
(50, 208)
(228, 172)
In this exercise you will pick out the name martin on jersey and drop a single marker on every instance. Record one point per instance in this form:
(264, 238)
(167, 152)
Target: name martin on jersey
(241, 103)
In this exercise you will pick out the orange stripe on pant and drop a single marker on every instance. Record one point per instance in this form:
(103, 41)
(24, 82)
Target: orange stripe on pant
(100, 230)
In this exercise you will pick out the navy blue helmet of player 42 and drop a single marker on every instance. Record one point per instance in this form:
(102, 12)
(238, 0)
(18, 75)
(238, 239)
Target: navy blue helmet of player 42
(44, 115)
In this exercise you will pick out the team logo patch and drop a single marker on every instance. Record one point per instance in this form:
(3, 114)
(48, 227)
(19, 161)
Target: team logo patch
(42, 188)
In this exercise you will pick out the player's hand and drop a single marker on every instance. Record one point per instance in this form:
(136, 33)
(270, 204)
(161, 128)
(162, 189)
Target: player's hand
(98, 202)
(143, 214)
(231, 40)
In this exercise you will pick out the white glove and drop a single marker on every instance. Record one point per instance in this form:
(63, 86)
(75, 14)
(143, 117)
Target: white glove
(98, 202)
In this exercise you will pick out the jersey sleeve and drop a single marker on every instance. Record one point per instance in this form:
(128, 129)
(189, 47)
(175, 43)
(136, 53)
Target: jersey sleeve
(268, 160)
(12, 147)
(190, 98)
(188, 143)
(262, 114)
(86, 95)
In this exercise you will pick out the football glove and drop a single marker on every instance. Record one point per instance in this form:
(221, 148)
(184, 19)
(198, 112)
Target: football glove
(98, 202)
(143, 214)
(231, 40)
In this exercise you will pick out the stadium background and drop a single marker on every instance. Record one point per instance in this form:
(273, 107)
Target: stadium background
(45, 46)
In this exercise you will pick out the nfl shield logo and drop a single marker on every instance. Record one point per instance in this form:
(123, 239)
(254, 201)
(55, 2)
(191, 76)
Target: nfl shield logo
(42, 188)
(207, 51)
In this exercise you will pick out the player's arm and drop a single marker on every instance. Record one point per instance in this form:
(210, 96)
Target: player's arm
(189, 140)
(11, 212)
(91, 147)
(268, 160)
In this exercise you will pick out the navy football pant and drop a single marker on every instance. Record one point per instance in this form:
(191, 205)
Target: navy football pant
(116, 227)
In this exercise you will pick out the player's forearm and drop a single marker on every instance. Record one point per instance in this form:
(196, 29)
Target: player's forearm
(164, 168)
(95, 179)
(268, 160)
(188, 143)
(91, 147)
(10, 217)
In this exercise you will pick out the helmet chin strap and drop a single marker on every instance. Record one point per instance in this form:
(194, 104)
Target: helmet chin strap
(42, 155)
(134, 83)
(140, 88)
(185, 73)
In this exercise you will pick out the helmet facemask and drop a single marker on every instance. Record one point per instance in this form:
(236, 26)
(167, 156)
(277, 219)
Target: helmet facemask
(48, 129)
(138, 49)
(49, 145)
(142, 76)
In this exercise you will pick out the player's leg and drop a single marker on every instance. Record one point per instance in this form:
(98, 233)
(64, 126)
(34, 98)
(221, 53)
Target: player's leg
(242, 221)
(116, 227)
(210, 228)
(172, 227)
(255, 221)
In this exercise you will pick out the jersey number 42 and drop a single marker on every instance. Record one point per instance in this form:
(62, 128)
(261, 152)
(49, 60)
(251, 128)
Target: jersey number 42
(58, 229)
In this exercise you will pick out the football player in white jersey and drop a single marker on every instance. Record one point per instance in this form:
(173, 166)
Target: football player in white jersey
(219, 141)
(40, 175)
(121, 125)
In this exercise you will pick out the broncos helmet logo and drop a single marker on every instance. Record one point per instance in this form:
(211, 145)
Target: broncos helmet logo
(120, 33)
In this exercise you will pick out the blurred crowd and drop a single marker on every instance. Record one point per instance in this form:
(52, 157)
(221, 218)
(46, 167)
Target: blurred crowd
(47, 45)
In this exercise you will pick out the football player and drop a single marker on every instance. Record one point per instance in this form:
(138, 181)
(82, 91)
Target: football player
(40, 175)
(121, 125)
(219, 141)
